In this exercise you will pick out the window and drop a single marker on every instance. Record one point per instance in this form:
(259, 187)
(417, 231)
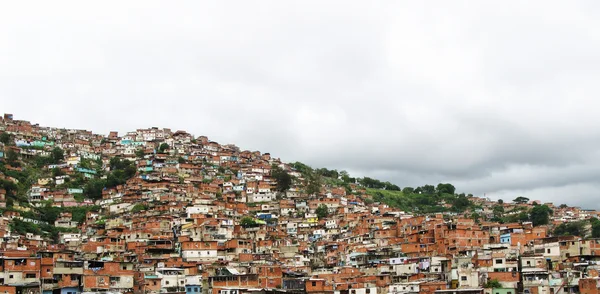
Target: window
(463, 278)
(314, 284)
(10, 276)
(498, 261)
(29, 276)
(166, 282)
(368, 291)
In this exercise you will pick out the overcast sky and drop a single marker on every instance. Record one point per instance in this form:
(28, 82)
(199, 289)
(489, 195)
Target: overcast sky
(496, 99)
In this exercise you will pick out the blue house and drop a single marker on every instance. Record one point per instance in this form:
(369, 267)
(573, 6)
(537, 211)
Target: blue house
(191, 289)
(505, 238)
(69, 290)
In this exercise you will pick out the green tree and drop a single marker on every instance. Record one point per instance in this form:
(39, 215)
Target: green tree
(93, 188)
(500, 201)
(139, 207)
(57, 172)
(372, 183)
(570, 229)
(57, 155)
(346, 177)
(493, 284)
(5, 138)
(540, 215)
(523, 216)
(22, 227)
(301, 167)
(121, 171)
(50, 213)
(461, 203)
(247, 222)
(79, 212)
(521, 200)
(12, 157)
(408, 190)
(476, 217)
(392, 187)
(426, 189)
(327, 173)
(498, 211)
(283, 178)
(314, 183)
(41, 161)
(322, 211)
(445, 188)
(163, 147)
(595, 227)
(140, 153)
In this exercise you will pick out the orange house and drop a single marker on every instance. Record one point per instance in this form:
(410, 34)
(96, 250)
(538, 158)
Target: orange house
(589, 286)
(270, 277)
(235, 281)
(318, 286)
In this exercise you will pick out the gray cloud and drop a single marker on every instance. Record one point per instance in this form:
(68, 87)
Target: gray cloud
(498, 99)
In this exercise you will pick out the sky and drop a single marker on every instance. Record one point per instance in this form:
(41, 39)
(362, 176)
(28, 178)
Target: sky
(497, 98)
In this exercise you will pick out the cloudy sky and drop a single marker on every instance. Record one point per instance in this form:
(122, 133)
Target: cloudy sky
(496, 99)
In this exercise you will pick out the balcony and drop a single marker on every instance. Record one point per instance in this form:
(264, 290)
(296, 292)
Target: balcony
(535, 283)
(160, 245)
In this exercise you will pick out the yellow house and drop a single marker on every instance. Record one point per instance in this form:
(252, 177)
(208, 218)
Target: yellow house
(73, 160)
(44, 181)
(312, 220)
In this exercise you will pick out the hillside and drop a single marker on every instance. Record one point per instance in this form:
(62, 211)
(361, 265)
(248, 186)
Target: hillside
(153, 198)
